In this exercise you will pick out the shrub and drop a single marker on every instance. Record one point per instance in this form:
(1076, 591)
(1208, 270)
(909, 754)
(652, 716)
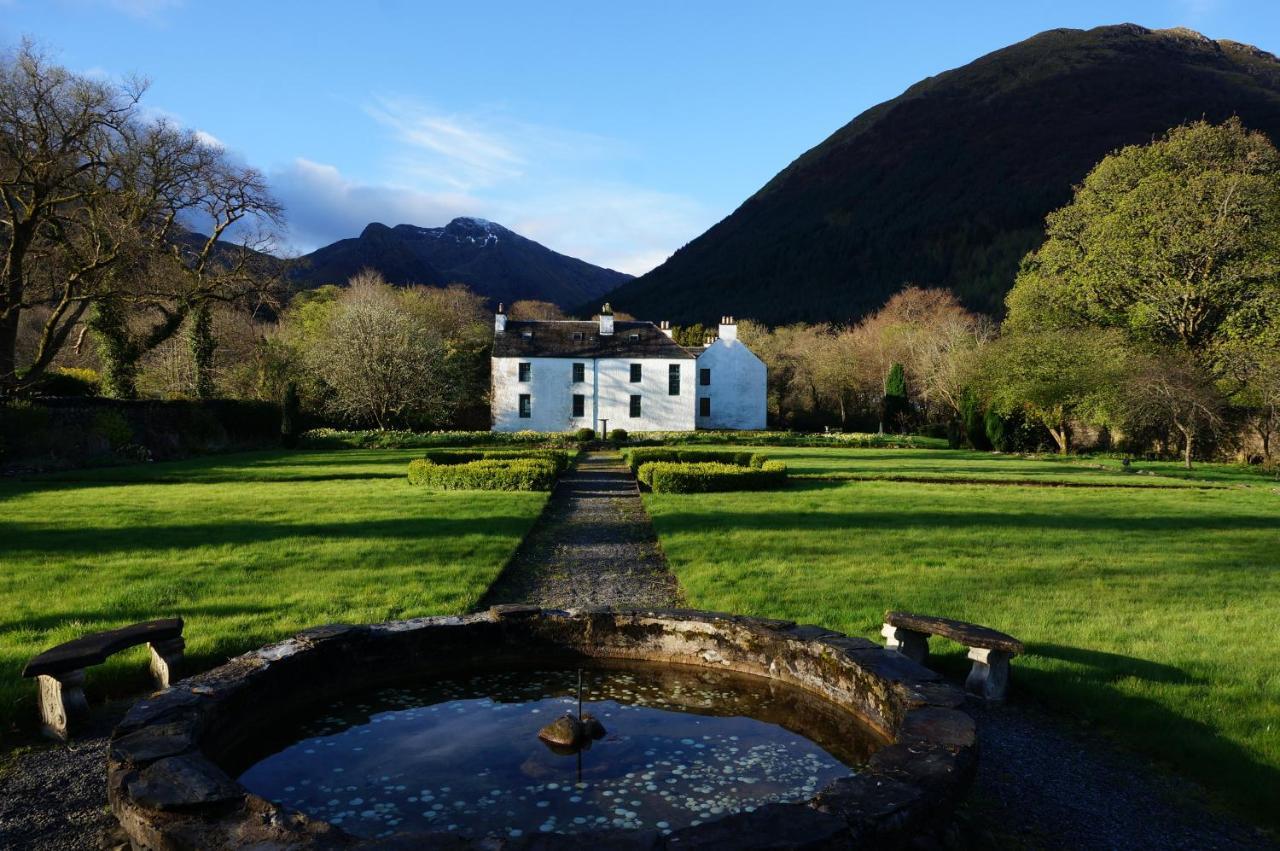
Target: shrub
(584, 435)
(331, 438)
(710, 477)
(619, 435)
(558, 458)
(639, 456)
(973, 421)
(70, 381)
(514, 474)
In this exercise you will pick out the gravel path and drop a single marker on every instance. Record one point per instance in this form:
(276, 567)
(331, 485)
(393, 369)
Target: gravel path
(1043, 784)
(594, 545)
(55, 797)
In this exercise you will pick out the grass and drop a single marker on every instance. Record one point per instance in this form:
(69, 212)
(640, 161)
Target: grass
(1150, 614)
(248, 548)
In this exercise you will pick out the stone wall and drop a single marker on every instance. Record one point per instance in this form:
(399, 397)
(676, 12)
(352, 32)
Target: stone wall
(61, 433)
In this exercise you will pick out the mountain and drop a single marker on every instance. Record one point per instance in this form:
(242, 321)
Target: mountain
(493, 261)
(948, 184)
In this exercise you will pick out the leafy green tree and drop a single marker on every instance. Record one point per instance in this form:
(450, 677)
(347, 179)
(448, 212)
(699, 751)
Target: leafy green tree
(1056, 379)
(1176, 243)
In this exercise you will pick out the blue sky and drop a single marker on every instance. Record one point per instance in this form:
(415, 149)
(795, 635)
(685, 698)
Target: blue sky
(612, 132)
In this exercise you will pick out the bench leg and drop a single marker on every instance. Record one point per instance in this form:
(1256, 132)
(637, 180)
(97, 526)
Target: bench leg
(914, 645)
(61, 702)
(989, 677)
(165, 656)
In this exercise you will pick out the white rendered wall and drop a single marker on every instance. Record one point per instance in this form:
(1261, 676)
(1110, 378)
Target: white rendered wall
(739, 386)
(607, 388)
(659, 410)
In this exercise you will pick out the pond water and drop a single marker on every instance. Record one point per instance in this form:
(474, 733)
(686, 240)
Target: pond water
(683, 745)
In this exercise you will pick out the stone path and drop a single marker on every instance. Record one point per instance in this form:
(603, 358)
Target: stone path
(593, 546)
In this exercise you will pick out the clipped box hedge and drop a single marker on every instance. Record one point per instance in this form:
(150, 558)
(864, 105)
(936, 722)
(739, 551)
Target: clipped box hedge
(492, 474)
(559, 458)
(711, 477)
(638, 457)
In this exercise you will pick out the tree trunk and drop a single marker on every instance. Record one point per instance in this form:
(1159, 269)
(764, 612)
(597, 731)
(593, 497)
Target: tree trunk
(1060, 437)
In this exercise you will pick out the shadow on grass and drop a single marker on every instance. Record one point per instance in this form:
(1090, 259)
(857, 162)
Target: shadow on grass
(1233, 774)
(876, 521)
(19, 538)
(1114, 665)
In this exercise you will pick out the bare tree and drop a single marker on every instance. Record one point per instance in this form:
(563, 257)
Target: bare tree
(1168, 388)
(96, 207)
(532, 309)
(382, 365)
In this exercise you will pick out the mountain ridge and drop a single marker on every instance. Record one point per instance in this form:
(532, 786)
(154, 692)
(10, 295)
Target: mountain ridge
(493, 260)
(948, 183)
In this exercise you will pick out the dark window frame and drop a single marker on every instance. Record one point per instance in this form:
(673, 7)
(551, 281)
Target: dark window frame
(525, 406)
(635, 410)
(673, 379)
(524, 372)
(579, 408)
(579, 374)
(704, 376)
(637, 373)
(704, 406)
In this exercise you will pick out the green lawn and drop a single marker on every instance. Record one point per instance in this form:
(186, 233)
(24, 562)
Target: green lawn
(1151, 613)
(248, 548)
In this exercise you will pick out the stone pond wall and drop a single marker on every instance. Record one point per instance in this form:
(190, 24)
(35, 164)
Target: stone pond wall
(172, 758)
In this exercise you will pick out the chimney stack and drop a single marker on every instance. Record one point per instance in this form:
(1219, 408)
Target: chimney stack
(665, 327)
(606, 320)
(500, 320)
(728, 328)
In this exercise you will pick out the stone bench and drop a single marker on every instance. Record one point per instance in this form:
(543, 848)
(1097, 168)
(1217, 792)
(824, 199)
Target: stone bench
(989, 649)
(59, 671)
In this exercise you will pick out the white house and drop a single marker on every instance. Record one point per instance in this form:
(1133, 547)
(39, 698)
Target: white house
(566, 375)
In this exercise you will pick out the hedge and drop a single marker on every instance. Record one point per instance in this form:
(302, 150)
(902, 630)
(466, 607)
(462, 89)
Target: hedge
(332, 438)
(490, 474)
(865, 440)
(640, 456)
(709, 477)
(559, 458)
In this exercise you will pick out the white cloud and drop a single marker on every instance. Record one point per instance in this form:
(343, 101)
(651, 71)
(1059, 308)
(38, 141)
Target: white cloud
(322, 206)
(550, 185)
(210, 139)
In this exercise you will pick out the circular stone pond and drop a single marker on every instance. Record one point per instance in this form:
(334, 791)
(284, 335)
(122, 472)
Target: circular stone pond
(719, 732)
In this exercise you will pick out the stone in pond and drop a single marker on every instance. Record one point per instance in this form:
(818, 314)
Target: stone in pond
(591, 726)
(566, 732)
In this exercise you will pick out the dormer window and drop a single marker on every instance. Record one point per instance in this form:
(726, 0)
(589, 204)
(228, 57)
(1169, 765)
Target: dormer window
(635, 338)
(577, 336)
(528, 335)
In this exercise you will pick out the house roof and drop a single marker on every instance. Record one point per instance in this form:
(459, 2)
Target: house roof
(573, 339)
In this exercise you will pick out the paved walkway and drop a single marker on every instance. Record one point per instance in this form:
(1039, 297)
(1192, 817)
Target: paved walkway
(593, 546)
